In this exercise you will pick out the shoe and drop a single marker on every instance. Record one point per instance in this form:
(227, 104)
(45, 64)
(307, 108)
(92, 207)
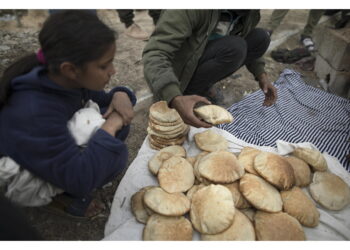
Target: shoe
(308, 43)
(269, 32)
(134, 31)
(215, 96)
(76, 208)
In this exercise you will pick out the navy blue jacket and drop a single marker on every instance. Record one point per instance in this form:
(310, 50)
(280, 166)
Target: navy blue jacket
(34, 133)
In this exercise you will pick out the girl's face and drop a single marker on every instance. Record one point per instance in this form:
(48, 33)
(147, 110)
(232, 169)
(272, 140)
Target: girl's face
(95, 75)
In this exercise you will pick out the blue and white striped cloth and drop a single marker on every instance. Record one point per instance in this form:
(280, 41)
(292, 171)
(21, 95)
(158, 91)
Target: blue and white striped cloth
(302, 113)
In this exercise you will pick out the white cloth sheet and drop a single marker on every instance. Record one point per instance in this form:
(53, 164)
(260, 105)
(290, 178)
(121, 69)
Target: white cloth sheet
(121, 225)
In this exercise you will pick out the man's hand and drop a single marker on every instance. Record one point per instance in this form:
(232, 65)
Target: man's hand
(269, 90)
(122, 105)
(184, 106)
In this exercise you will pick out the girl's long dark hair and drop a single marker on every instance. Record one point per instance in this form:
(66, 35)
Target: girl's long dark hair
(76, 36)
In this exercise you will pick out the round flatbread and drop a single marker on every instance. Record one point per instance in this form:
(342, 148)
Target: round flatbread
(246, 158)
(169, 124)
(194, 189)
(277, 226)
(214, 114)
(161, 228)
(261, 194)
(312, 157)
(164, 154)
(241, 229)
(249, 212)
(238, 198)
(301, 169)
(161, 202)
(297, 204)
(210, 141)
(212, 209)
(275, 169)
(220, 167)
(330, 191)
(196, 171)
(176, 175)
(161, 112)
(137, 205)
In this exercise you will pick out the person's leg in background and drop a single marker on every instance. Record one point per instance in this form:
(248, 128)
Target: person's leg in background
(275, 20)
(312, 20)
(132, 29)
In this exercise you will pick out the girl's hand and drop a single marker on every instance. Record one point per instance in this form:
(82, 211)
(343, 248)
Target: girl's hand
(113, 123)
(122, 105)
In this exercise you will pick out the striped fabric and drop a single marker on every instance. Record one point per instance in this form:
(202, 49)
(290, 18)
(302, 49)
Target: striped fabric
(302, 113)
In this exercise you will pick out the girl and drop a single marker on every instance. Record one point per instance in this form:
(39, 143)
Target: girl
(39, 95)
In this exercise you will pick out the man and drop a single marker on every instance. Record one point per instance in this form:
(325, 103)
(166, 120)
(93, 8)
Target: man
(191, 50)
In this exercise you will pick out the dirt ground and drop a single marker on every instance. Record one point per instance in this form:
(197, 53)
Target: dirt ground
(15, 41)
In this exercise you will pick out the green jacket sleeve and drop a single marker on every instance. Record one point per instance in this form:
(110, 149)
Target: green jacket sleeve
(256, 67)
(173, 28)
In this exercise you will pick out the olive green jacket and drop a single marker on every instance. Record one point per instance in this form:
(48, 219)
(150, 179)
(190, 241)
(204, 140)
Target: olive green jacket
(171, 55)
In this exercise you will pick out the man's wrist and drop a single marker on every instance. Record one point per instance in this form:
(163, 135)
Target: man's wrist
(173, 101)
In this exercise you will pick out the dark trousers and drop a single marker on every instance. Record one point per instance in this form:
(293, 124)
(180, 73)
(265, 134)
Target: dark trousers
(127, 16)
(224, 56)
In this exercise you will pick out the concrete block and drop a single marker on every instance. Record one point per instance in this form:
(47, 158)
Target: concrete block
(334, 46)
(337, 82)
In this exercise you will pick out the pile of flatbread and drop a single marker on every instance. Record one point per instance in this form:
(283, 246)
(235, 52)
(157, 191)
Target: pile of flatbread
(256, 195)
(165, 126)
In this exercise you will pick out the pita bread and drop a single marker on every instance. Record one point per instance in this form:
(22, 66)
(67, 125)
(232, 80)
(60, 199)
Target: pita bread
(238, 198)
(275, 169)
(161, 112)
(168, 135)
(165, 129)
(210, 141)
(330, 191)
(246, 158)
(301, 207)
(241, 229)
(214, 114)
(164, 154)
(160, 227)
(261, 194)
(220, 167)
(212, 209)
(312, 157)
(161, 202)
(196, 171)
(168, 124)
(137, 206)
(176, 175)
(194, 189)
(277, 226)
(301, 171)
(249, 212)
(162, 145)
(191, 160)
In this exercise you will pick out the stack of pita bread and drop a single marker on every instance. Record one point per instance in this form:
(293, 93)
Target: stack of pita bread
(255, 196)
(165, 126)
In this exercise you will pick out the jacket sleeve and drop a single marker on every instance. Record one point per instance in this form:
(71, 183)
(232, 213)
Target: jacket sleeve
(256, 67)
(173, 28)
(46, 148)
(103, 99)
